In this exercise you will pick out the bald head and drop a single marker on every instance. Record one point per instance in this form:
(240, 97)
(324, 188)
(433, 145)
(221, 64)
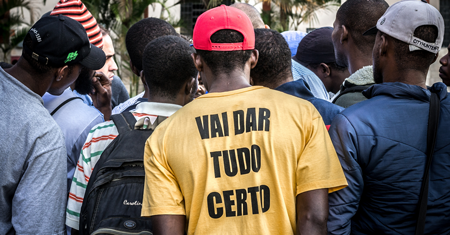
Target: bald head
(252, 13)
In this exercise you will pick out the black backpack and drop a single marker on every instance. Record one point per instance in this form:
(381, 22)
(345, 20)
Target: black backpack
(112, 202)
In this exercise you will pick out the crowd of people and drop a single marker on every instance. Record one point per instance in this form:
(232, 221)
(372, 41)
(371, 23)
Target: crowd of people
(236, 131)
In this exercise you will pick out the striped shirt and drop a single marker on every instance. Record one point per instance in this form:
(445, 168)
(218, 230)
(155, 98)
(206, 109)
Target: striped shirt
(98, 139)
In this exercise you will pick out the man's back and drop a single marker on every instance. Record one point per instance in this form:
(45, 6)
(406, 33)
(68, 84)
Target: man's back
(233, 162)
(33, 163)
(382, 144)
(75, 119)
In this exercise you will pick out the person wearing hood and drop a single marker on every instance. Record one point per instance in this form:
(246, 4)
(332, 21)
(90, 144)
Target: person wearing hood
(382, 142)
(353, 49)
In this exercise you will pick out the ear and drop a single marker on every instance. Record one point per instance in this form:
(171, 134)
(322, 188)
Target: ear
(198, 62)
(134, 69)
(266, 26)
(325, 69)
(344, 34)
(61, 73)
(383, 45)
(189, 86)
(254, 58)
(142, 76)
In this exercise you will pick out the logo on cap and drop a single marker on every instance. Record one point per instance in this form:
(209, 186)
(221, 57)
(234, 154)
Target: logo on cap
(36, 33)
(71, 56)
(382, 22)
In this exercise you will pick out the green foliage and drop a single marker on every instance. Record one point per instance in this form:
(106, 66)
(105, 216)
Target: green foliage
(13, 27)
(289, 14)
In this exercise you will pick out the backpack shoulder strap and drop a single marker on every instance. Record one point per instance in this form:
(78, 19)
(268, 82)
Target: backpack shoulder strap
(433, 122)
(124, 121)
(64, 103)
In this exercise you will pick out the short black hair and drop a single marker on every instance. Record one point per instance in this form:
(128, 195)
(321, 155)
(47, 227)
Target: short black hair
(251, 12)
(38, 67)
(168, 65)
(274, 62)
(225, 61)
(419, 59)
(358, 16)
(143, 32)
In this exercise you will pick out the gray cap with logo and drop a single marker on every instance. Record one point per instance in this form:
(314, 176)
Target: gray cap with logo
(401, 20)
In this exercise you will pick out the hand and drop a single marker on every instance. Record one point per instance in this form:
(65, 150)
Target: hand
(101, 95)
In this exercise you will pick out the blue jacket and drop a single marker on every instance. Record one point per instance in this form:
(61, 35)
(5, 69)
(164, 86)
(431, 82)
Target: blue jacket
(298, 88)
(381, 143)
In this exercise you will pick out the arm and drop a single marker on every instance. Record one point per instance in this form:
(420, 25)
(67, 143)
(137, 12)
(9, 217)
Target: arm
(168, 224)
(344, 203)
(312, 212)
(102, 95)
(40, 198)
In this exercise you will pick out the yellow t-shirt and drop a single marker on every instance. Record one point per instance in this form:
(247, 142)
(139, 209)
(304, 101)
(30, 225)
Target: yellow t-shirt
(234, 162)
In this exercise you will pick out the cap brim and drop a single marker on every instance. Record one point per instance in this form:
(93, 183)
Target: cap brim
(95, 60)
(371, 31)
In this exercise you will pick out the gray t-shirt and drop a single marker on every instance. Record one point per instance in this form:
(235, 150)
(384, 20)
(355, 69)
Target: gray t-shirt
(33, 163)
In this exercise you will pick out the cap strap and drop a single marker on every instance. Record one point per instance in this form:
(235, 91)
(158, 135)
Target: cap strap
(227, 46)
(428, 46)
(35, 56)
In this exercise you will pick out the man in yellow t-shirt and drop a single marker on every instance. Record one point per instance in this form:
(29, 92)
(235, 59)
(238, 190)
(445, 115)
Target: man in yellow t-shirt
(240, 159)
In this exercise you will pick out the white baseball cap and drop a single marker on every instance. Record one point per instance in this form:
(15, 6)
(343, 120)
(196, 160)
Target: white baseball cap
(402, 18)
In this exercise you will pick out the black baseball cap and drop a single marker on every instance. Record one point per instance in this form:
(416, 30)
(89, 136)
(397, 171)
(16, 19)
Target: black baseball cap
(60, 40)
(316, 47)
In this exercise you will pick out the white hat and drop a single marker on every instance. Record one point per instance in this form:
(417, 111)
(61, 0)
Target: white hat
(402, 18)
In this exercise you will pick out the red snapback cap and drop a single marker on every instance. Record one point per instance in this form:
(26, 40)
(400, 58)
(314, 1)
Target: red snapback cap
(223, 17)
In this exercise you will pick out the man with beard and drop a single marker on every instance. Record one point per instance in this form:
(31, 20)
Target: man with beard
(170, 72)
(72, 115)
(353, 49)
(32, 152)
(382, 142)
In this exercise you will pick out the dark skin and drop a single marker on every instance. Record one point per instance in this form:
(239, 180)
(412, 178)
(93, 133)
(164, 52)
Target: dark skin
(332, 78)
(138, 73)
(101, 97)
(312, 206)
(346, 51)
(386, 68)
(444, 70)
(184, 96)
(54, 81)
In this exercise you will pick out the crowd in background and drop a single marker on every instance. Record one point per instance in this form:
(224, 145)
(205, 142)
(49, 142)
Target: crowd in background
(236, 131)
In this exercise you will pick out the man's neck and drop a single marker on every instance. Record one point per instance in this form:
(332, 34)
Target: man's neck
(22, 71)
(228, 81)
(410, 76)
(357, 60)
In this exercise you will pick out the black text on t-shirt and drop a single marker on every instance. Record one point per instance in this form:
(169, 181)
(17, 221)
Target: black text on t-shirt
(210, 126)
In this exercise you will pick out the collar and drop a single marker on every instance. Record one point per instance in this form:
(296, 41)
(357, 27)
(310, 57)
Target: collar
(52, 101)
(363, 76)
(296, 88)
(402, 90)
(155, 108)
